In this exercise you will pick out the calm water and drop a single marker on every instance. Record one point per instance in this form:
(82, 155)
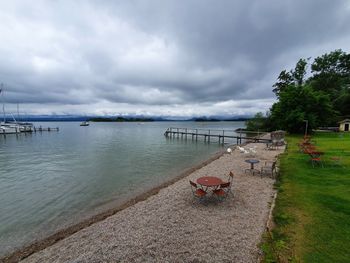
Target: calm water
(51, 180)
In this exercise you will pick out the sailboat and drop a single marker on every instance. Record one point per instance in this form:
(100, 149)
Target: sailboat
(7, 127)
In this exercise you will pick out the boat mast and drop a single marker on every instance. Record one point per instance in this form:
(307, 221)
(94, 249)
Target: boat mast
(17, 111)
(3, 102)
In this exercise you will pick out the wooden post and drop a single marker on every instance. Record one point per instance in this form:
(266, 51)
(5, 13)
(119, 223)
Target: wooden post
(209, 136)
(186, 133)
(196, 134)
(223, 136)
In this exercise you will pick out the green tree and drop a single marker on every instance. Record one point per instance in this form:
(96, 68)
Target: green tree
(258, 122)
(297, 104)
(331, 74)
(284, 80)
(299, 72)
(321, 99)
(293, 77)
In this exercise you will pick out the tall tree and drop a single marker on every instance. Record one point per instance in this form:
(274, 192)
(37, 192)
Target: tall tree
(321, 99)
(284, 80)
(297, 104)
(299, 72)
(293, 77)
(331, 74)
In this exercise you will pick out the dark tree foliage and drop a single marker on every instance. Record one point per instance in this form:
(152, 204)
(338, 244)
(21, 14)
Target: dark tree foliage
(284, 80)
(258, 122)
(299, 72)
(322, 99)
(331, 74)
(293, 77)
(297, 104)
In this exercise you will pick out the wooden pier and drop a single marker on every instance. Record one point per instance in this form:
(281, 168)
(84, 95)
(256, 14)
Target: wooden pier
(33, 129)
(48, 129)
(212, 135)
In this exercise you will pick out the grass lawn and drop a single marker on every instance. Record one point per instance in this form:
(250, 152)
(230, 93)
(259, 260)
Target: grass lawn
(312, 212)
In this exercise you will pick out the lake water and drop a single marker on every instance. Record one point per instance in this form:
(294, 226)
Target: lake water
(50, 180)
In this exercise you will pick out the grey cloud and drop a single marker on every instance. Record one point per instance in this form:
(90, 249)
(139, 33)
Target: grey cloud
(155, 54)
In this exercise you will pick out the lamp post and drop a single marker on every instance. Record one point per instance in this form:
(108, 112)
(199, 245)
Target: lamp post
(306, 124)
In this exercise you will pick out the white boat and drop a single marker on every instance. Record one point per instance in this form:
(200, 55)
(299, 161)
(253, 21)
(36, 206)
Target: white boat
(26, 126)
(85, 123)
(9, 128)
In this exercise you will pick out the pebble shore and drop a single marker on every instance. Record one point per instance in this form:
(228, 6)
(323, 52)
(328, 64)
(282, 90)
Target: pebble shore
(172, 226)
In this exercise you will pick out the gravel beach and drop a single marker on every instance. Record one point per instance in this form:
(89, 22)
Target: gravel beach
(172, 226)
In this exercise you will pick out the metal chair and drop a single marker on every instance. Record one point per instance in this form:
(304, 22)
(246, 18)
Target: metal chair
(223, 191)
(230, 180)
(316, 161)
(198, 192)
(336, 161)
(269, 168)
(230, 176)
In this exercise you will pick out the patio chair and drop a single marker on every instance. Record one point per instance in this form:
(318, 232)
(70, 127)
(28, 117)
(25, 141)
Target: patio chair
(198, 192)
(269, 169)
(336, 161)
(269, 146)
(230, 180)
(223, 191)
(230, 177)
(316, 161)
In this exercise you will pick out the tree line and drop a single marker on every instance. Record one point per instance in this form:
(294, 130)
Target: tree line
(320, 96)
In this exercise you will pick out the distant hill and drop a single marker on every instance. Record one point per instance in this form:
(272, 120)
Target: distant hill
(119, 119)
(42, 118)
(215, 119)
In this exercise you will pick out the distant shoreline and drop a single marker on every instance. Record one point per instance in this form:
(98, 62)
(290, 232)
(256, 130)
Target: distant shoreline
(117, 119)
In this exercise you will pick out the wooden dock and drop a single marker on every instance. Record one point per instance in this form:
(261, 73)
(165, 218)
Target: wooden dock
(48, 129)
(34, 129)
(212, 135)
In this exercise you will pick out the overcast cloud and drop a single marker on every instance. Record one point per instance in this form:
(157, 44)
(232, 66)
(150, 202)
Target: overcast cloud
(159, 57)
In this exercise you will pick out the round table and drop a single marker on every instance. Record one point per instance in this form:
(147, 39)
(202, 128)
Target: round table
(252, 162)
(209, 181)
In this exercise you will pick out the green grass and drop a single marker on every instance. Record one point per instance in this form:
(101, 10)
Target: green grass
(312, 212)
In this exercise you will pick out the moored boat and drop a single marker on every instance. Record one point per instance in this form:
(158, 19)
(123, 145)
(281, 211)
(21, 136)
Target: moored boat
(9, 128)
(26, 126)
(85, 123)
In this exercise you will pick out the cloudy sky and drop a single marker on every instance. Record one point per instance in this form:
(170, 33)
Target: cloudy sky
(159, 57)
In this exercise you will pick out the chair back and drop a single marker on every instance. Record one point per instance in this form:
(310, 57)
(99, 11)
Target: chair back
(273, 165)
(230, 176)
(225, 185)
(193, 184)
